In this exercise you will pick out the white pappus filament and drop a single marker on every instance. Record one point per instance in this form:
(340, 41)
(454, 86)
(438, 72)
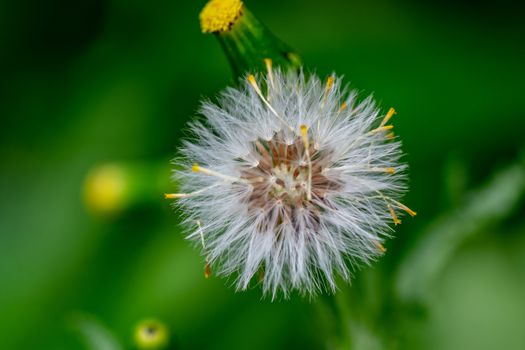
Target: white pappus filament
(293, 180)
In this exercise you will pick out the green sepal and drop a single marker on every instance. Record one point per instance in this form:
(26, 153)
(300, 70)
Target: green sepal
(249, 42)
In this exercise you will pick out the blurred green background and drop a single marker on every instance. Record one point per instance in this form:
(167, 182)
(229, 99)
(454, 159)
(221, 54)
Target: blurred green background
(84, 83)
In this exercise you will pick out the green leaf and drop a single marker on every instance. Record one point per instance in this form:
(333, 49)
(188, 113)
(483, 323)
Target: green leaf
(487, 205)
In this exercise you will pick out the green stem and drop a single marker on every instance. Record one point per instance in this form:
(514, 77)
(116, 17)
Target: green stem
(249, 42)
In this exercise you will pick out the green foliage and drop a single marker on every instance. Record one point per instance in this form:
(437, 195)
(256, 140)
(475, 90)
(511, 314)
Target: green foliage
(88, 83)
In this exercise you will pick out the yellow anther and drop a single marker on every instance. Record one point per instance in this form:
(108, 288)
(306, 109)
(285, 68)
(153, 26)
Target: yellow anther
(382, 128)
(393, 215)
(268, 64)
(343, 107)
(380, 246)
(198, 169)
(191, 194)
(390, 170)
(306, 142)
(387, 117)
(329, 83)
(251, 79)
(219, 15)
(407, 209)
(397, 204)
(304, 135)
(390, 136)
(253, 83)
(181, 195)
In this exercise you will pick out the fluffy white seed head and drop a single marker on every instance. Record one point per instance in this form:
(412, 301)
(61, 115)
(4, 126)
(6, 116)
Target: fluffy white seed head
(290, 181)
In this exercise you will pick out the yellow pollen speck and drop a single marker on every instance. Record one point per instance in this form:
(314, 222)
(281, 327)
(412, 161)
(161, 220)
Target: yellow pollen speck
(304, 129)
(391, 171)
(380, 246)
(304, 135)
(219, 15)
(408, 210)
(382, 128)
(195, 168)
(393, 215)
(329, 83)
(268, 63)
(253, 83)
(388, 116)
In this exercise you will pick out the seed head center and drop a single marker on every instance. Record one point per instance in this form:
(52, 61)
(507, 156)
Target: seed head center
(287, 176)
(288, 183)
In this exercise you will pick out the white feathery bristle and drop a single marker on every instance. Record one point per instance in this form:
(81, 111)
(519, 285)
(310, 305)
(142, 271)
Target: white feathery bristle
(294, 181)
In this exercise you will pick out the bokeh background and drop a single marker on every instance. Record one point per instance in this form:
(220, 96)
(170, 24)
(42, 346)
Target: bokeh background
(91, 82)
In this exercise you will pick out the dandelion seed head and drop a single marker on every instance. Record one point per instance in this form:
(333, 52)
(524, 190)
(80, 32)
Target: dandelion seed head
(294, 181)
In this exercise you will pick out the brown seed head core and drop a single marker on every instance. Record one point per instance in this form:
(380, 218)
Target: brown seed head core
(283, 169)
